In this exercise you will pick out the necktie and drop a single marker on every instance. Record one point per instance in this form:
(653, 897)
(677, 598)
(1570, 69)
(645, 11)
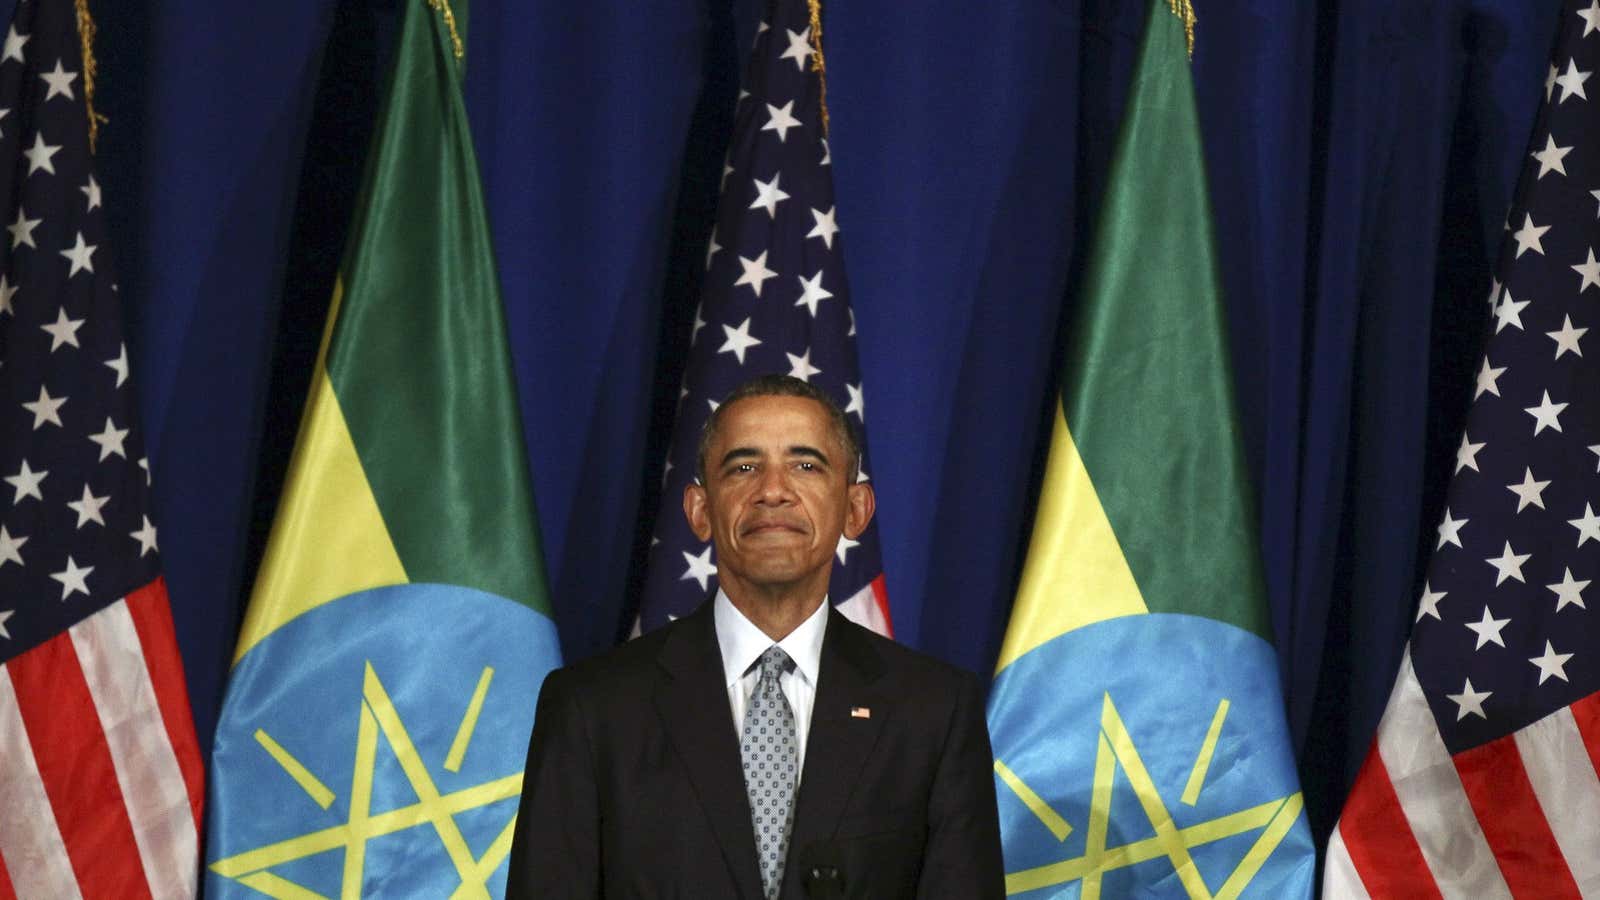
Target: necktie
(770, 753)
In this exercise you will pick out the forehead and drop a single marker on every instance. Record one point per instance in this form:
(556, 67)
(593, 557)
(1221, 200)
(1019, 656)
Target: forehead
(774, 422)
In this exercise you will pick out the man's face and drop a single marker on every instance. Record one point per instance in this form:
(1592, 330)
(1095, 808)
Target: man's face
(776, 497)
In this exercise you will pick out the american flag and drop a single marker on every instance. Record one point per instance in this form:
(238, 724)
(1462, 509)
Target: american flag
(775, 301)
(1482, 779)
(100, 774)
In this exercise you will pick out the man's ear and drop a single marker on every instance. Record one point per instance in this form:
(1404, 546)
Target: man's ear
(697, 510)
(860, 504)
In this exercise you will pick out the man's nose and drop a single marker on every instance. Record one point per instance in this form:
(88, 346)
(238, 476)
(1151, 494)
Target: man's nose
(775, 486)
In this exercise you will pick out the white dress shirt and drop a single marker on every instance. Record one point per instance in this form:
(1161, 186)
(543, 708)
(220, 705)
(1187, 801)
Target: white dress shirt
(743, 643)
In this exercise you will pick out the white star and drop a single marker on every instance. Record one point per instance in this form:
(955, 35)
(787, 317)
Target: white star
(768, 195)
(1508, 564)
(1590, 17)
(812, 292)
(45, 409)
(800, 366)
(1588, 525)
(63, 332)
(10, 547)
(1428, 605)
(1595, 449)
(39, 155)
(1508, 312)
(852, 313)
(780, 119)
(666, 472)
(1467, 454)
(727, 169)
(755, 272)
(858, 402)
(88, 508)
(1450, 530)
(1470, 702)
(4, 615)
(1568, 591)
(1528, 237)
(22, 230)
(739, 340)
(1488, 629)
(713, 247)
(81, 256)
(1494, 292)
(60, 81)
(1567, 338)
(146, 536)
(1590, 270)
(1571, 82)
(1488, 375)
(1551, 663)
(73, 579)
(26, 481)
(119, 365)
(694, 332)
(845, 546)
(14, 44)
(110, 441)
(1550, 80)
(1529, 491)
(700, 568)
(92, 192)
(826, 228)
(1550, 157)
(799, 48)
(827, 154)
(7, 291)
(1546, 414)
(144, 464)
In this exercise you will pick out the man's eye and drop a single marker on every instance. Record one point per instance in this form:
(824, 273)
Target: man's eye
(744, 467)
(807, 466)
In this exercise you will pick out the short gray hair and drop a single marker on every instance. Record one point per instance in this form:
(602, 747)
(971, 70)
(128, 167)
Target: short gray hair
(783, 386)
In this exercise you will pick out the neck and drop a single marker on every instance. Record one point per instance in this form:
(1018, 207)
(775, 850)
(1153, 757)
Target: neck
(777, 614)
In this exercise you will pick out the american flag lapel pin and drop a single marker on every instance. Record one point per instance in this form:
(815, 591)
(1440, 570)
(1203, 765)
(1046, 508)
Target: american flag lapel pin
(860, 712)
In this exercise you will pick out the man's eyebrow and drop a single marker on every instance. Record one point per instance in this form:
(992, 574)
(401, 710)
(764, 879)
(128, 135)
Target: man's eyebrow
(809, 452)
(738, 453)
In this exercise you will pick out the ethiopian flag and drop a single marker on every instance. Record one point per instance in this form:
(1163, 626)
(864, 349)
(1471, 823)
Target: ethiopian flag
(382, 693)
(1136, 715)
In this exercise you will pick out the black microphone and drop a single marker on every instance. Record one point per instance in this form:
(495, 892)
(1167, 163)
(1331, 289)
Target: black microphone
(821, 873)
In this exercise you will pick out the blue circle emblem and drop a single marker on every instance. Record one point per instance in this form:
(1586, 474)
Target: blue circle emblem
(1148, 756)
(377, 742)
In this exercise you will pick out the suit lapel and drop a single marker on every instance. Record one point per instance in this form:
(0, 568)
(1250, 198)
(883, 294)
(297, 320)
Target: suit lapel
(838, 742)
(692, 700)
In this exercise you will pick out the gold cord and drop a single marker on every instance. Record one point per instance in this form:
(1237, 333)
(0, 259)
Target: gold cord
(86, 38)
(1184, 10)
(817, 62)
(443, 6)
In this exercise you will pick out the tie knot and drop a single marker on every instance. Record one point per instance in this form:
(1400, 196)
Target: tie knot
(775, 662)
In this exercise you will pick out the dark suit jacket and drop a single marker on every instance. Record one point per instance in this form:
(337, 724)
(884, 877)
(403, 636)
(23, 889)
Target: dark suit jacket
(634, 788)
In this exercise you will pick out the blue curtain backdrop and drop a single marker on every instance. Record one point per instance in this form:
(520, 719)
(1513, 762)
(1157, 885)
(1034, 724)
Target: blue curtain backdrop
(1361, 155)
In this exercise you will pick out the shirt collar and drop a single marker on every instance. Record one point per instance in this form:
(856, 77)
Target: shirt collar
(742, 643)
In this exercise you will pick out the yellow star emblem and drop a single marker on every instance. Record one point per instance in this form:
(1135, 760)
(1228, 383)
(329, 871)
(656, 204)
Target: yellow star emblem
(378, 715)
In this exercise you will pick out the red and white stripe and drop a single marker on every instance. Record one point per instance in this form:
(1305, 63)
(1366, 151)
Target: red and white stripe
(869, 608)
(1519, 816)
(100, 776)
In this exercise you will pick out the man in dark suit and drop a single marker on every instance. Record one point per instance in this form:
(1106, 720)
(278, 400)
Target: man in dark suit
(764, 745)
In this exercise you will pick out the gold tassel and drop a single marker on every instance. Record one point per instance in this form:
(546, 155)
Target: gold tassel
(86, 38)
(443, 6)
(1184, 10)
(817, 63)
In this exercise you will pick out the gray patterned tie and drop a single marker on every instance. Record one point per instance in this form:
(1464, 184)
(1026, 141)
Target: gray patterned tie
(770, 755)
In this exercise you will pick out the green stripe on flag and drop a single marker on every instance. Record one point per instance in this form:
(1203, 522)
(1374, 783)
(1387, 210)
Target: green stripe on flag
(419, 359)
(1147, 384)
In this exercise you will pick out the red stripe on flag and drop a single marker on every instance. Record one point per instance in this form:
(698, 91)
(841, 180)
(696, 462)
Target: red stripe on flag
(7, 891)
(1379, 839)
(1513, 823)
(1586, 713)
(152, 619)
(75, 766)
(880, 593)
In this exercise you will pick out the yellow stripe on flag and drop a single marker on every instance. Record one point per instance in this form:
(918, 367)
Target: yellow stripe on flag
(328, 538)
(1076, 574)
